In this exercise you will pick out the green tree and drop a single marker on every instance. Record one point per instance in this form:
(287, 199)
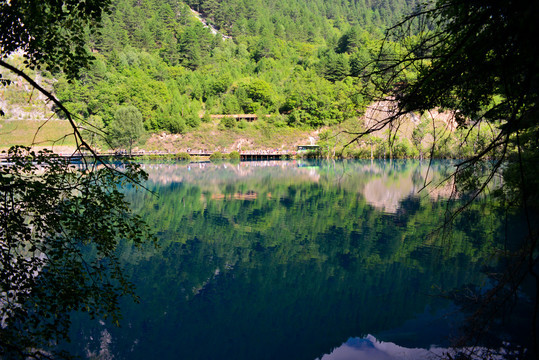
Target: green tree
(60, 224)
(228, 122)
(335, 67)
(480, 61)
(51, 33)
(126, 128)
(189, 48)
(418, 134)
(350, 41)
(59, 231)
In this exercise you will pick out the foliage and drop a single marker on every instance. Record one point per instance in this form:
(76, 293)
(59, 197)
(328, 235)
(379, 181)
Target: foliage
(282, 58)
(92, 130)
(228, 122)
(330, 143)
(217, 156)
(464, 68)
(61, 225)
(234, 155)
(242, 124)
(478, 60)
(52, 33)
(462, 65)
(298, 20)
(183, 156)
(126, 128)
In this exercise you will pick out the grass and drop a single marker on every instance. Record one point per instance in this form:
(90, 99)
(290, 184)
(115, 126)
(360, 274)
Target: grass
(212, 137)
(50, 133)
(209, 136)
(259, 135)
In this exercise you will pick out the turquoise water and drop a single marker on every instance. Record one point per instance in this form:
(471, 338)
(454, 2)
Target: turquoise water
(294, 260)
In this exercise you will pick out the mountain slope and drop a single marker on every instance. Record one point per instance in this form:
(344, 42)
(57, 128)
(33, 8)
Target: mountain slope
(296, 60)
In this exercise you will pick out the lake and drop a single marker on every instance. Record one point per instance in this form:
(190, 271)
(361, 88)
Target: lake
(295, 260)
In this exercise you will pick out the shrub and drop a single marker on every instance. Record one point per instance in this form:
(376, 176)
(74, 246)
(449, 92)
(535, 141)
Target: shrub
(234, 155)
(404, 149)
(193, 121)
(183, 156)
(206, 118)
(242, 124)
(217, 156)
(228, 122)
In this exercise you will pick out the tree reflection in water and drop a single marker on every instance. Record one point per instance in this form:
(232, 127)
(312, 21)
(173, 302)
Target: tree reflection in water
(288, 260)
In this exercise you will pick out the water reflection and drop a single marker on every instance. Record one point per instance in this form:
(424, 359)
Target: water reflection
(286, 260)
(369, 348)
(383, 185)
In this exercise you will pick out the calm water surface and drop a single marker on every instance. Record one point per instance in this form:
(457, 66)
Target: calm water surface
(293, 260)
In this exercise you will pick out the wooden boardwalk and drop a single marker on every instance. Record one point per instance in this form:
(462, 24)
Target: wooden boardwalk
(251, 155)
(244, 155)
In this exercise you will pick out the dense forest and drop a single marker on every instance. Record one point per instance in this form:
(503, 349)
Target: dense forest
(297, 61)
(299, 66)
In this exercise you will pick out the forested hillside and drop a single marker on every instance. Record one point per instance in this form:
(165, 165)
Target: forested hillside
(297, 65)
(301, 20)
(295, 60)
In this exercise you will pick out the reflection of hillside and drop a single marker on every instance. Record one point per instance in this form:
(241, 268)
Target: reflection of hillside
(249, 196)
(205, 174)
(387, 196)
(443, 191)
(389, 186)
(384, 185)
(313, 251)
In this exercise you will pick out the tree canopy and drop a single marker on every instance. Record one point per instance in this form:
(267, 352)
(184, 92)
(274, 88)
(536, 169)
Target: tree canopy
(60, 227)
(266, 55)
(60, 223)
(126, 128)
(478, 61)
(51, 33)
